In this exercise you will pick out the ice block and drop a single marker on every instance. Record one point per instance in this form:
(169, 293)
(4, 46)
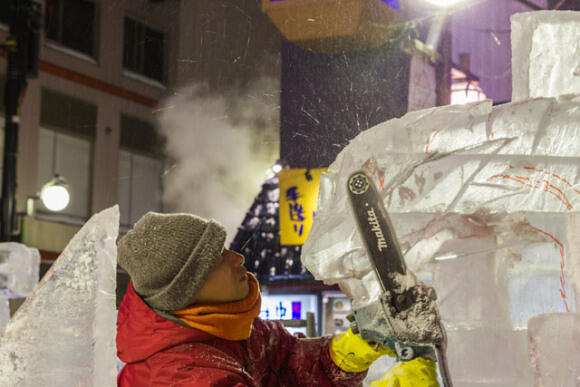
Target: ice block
(545, 54)
(64, 333)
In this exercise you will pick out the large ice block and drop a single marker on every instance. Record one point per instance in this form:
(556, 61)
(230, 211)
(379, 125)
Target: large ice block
(545, 54)
(64, 333)
(454, 180)
(482, 199)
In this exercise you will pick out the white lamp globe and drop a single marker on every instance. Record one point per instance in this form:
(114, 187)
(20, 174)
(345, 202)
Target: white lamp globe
(55, 197)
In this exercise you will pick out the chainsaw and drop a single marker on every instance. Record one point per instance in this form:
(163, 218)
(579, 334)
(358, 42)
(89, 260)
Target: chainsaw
(405, 316)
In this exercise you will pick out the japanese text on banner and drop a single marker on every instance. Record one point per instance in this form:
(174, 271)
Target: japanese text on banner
(298, 200)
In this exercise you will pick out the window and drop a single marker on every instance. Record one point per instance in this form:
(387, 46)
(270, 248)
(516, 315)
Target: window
(65, 146)
(72, 24)
(4, 11)
(143, 50)
(141, 166)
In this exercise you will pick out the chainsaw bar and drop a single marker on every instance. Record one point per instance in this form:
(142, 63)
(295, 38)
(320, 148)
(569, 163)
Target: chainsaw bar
(375, 228)
(385, 255)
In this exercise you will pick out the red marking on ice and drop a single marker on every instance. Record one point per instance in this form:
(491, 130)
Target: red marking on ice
(472, 236)
(560, 247)
(564, 180)
(431, 141)
(548, 187)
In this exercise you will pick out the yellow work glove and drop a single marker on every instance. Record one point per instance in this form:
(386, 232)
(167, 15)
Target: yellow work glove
(419, 372)
(351, 353)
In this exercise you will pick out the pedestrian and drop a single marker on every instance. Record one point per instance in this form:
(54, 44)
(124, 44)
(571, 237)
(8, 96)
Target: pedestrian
(190, 318)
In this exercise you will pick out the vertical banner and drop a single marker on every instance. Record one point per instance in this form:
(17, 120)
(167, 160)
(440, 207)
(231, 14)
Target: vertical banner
(298, 200)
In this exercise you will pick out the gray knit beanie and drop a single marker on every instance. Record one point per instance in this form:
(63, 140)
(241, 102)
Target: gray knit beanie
(170, 256)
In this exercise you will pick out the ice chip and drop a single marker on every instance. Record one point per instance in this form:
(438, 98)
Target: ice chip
(64, 333)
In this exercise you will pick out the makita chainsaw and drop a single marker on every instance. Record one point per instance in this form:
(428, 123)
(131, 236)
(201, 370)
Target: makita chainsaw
(405, 317)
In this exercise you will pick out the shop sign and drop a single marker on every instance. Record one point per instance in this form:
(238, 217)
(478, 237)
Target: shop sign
(287, 306)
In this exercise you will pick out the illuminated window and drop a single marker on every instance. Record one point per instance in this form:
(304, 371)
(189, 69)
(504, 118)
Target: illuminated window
(4, 11)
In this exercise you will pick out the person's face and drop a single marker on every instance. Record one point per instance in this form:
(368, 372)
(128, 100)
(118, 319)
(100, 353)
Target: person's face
(227, 282)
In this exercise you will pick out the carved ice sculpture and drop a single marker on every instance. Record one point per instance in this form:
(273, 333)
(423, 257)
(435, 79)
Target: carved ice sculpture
(64, 333)
(484, 201)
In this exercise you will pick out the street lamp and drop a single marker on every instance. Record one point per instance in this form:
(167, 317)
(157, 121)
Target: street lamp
(55, 194)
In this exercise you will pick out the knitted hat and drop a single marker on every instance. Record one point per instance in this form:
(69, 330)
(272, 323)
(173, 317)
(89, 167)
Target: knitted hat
(170, 256)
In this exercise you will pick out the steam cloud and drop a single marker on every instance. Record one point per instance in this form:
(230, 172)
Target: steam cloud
(220, 147)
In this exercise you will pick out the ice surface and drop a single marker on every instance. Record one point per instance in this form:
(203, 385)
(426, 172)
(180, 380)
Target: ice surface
(19, 267)
(546, 54)
(64, 333)
(554, 342)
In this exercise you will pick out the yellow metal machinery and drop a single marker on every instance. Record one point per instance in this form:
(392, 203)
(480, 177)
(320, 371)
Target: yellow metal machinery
(333, 26)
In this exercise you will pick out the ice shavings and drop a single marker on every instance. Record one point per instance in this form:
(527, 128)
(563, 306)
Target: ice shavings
(417, 321)
(64, 333)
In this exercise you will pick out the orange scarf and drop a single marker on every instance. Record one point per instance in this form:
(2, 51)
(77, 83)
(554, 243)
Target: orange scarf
(230, 321)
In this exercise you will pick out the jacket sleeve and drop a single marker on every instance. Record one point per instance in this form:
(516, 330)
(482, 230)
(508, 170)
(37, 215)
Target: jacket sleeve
(195, 365)
(200, 377)
(293, 359)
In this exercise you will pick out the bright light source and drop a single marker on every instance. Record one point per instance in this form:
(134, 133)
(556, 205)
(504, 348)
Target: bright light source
(444, 3)
(464, 92)
(277, 168)
(54, 194)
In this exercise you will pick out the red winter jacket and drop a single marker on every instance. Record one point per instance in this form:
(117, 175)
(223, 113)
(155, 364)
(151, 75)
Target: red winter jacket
(161, 352)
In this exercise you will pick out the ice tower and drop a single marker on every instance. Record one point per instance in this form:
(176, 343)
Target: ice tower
(485, 203)
(64, 333)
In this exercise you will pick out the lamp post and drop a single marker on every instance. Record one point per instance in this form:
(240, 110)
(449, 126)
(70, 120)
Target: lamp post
(22, 50)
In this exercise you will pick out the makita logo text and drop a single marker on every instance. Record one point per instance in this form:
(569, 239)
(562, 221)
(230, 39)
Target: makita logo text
(376, 228)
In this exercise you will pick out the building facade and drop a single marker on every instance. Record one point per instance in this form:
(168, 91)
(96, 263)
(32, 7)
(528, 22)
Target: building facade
(105, 68)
